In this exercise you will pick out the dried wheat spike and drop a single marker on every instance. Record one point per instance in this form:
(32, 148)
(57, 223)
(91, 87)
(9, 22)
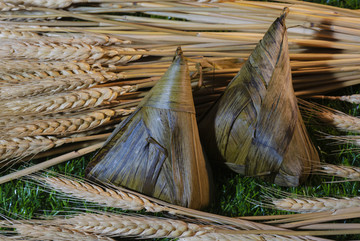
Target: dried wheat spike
(48, 3)
(6, 6)
(62, 75)
(65, 52)
(101, 195)
(348, 172)
(6, 33)
(64, 101)
(336, 118)
(51, 85)
(20, 66)
(355, 99)
(46, 232)
(88, 38)
(243, 237)
(12, 148)
(65, 126)
(131, 226)
(308, 205)
(15, 32)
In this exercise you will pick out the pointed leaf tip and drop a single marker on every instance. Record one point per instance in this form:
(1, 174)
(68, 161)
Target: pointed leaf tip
(284, 14)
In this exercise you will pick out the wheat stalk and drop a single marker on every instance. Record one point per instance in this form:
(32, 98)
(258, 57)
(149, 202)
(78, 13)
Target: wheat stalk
(64, 101)
(101, 195)
(45, 232)
(305, 205)
(131, 226)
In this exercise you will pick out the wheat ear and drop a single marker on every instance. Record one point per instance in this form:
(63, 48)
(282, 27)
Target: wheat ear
(307, 205)
(131, 226)
(66, 52)
(336, 118)
(354, 99)
(6, 6)
(46, 232)
(36, 76)
(49, 86)
(243, 237)
(64, 38)
(66, 126)
(19, 66)
(348, 172)
(64, 101)
(101, 195)
(21, 147)
(49, 3)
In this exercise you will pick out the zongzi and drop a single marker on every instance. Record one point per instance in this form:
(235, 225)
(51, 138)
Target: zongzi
(255, 127)
(157, 150)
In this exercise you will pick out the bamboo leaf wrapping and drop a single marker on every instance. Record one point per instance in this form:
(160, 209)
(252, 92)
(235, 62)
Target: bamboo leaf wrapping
(157, 150)
(255, 126)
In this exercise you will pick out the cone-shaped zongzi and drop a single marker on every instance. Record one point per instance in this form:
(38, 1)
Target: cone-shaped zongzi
(256, 126)
(157, 150)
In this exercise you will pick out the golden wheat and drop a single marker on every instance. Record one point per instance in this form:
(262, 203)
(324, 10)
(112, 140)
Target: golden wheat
(64, 101)
(101, 195)
(306, 205)
(46, 232)
(243, 237)
(6, 6)
(47, 3)
(65, 126)
(18, 148)
(131, 226)
(349, 172)
(45, 51)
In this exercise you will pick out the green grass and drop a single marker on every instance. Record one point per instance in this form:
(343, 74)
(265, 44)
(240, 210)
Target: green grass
(234, 194)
